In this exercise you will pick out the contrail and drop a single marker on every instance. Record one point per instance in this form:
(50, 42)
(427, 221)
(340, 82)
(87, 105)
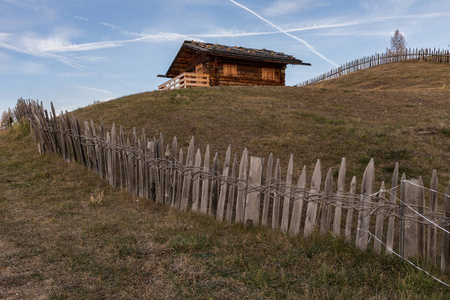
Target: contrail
(310, 48)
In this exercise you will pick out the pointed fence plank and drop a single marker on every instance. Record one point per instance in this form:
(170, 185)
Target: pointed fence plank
(276, 197)
(311, 212)
(268, 191)
(205, 183)
(421, 224)
(152, 169)
(379, 220)
(362, 235)
(187, 176)
(401, 212)
(168, 166)
(287, 197)
(325, 221)
(173, 171)
(391, 223)
(161, 172)
(224, 186)
(113, 155)
(349, 219)
(179, 187)
(339, 198)
(297, 210)
(411, 227)
(120, 157)
(253, 200)
(232, 191)
(445, 257)
(432, 236)
(242, 187)
(214, 193)
(196, 182)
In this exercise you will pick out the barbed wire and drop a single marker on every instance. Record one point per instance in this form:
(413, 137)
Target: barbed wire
(403, 258)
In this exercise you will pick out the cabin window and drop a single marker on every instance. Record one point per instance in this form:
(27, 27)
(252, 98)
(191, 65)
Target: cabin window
(199, 69)
(229, 70)
(268, 73)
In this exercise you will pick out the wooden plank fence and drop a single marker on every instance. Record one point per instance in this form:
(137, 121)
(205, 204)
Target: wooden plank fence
(255, 192)
(437, 55)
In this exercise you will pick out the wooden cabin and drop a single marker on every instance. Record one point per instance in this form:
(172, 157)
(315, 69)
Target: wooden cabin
(204, 64)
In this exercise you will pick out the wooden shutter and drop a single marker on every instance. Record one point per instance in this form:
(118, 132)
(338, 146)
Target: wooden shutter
(229, 70)
(268, 73)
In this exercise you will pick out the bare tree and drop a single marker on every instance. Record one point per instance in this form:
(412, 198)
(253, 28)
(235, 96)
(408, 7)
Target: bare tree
(398, 43)
(7, 119)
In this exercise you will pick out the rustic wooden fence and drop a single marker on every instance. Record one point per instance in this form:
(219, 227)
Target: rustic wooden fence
(406, 218)
(436, 55)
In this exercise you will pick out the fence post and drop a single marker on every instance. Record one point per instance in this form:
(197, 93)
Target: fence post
(401, 213)
(297, 210)
(253, 199)
(196, 183)
(232, 191)
(287, 196)
(224, 185)
(276, 197)
(187, 176)
(362, 235)
(391, 222)
(379, 220)
(411, 240)
(349, 220)
(339, 195)
(325, 220)
(205, 183)
(445, 258)
(240, 201)
(431, 255)
(214, 193)
(267, 192)
(311, 211)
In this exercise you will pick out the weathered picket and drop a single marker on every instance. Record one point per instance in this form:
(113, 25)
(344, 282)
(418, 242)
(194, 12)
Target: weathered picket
(441, 56)
(254, 193)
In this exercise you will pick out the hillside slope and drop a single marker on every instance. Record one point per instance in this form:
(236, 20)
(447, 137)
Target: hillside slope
(66, 234)
(394, 113)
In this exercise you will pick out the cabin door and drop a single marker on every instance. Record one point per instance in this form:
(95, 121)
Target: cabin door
(199, 69)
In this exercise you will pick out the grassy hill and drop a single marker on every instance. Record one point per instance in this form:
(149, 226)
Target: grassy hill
(65, 234)
(394, 113)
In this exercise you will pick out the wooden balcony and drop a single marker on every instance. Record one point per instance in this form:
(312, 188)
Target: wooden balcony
(185, 80)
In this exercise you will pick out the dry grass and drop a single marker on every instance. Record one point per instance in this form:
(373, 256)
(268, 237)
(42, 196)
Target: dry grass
(65, 234)
(357, 116)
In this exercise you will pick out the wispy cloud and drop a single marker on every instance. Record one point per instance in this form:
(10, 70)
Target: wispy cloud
(94, 89)
(327, 24)
(55, 46)
(283, 7)
(81, 18)
(310, 47)
(17, 3)
(381, 6)
(89, 75)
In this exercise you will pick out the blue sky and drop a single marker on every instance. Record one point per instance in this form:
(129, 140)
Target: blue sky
(75, 52)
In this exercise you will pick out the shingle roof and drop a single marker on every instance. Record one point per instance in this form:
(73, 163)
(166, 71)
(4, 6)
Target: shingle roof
(235, 51)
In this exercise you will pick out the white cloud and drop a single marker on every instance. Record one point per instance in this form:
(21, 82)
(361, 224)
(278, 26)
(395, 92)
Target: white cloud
(81, 18)
(94, 89)
(382, 6)
(283, 7)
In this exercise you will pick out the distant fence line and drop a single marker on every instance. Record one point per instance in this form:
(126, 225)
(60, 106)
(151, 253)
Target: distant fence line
(389, 57)
(406, 218)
